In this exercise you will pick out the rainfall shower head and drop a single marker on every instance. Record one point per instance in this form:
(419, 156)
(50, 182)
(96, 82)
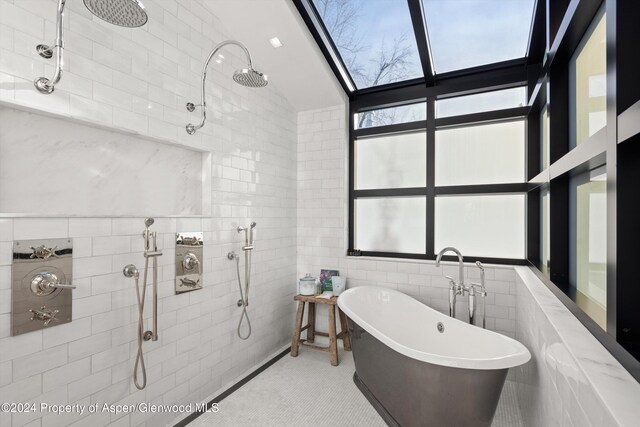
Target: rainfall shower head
(250, 78)
(247, 77)
(125, 13)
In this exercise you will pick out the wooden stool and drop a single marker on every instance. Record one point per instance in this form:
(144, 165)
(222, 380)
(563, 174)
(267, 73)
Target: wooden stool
(311, 327)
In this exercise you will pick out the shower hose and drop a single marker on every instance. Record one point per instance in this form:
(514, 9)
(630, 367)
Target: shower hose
(244, 296)
(140, 293)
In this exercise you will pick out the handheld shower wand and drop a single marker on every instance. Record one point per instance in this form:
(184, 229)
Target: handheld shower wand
(483, 292)
(150, 251)
(244, 294)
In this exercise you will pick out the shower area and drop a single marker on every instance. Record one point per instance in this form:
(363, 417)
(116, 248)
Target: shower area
(158, 312)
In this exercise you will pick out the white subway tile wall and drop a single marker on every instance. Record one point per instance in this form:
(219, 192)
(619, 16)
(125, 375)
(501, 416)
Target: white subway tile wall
(139, 80)
(322, 221)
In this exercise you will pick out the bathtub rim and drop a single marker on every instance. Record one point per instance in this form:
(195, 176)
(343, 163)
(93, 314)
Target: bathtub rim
(505, 362)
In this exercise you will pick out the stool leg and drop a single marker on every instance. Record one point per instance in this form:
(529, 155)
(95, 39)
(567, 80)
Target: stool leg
(311, 314)
(346, 340)
(333, 342)
(295, 340)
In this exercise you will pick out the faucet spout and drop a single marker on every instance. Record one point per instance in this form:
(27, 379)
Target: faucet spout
(460, 262)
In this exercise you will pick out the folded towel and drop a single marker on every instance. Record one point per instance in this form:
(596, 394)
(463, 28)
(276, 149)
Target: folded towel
(325, 295)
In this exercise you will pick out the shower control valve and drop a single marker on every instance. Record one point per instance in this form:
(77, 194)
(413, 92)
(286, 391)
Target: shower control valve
(190, 261)
(482, 290)
(189, 282)
(44, 283)
(457, 288)
(43, 252)
(44, 314)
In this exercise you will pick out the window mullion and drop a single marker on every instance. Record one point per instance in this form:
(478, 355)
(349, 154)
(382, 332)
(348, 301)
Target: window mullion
(431, 193)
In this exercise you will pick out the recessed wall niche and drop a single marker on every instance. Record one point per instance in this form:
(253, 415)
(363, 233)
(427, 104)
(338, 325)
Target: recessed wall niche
(55, 166)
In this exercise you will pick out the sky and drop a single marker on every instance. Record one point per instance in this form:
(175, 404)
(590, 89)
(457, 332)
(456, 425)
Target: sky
(462, 33)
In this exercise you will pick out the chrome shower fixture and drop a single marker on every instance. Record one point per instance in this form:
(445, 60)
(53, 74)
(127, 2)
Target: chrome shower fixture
(131, 271)
(248, 77)
(124, 13)
(244, 294)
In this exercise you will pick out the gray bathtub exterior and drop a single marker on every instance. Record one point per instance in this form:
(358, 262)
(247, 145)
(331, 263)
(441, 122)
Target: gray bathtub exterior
(411, 393)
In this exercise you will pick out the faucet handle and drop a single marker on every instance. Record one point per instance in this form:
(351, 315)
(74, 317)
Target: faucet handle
(451, 279)
(483, 290)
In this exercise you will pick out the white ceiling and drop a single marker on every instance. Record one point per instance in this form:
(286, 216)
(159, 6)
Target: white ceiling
(298, 68)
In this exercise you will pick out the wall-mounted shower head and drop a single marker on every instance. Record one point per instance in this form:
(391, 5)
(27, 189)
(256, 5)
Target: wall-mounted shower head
(250, 78)
(124, 13)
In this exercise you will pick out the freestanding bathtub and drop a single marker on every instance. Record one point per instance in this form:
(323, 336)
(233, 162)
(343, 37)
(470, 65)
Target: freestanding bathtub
(419, 367)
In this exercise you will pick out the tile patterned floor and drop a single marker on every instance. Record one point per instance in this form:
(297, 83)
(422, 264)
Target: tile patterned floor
(326, 397)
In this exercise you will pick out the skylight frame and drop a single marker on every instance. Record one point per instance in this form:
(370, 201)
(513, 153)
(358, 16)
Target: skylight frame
(420, 31)
(330, 50)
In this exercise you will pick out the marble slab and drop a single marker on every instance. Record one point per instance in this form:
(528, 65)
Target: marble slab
(572, 378)
(52, 166)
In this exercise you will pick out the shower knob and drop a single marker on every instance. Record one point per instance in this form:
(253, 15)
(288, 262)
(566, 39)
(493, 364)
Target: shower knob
(44, 314)
(45, 283)
(190, 261)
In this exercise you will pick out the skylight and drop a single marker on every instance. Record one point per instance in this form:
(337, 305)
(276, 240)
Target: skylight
(377, 42)
(470, 33)
(374, 38)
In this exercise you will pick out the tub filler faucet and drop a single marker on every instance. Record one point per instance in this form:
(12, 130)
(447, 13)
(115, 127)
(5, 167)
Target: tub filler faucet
(459, 288)
(455, 288)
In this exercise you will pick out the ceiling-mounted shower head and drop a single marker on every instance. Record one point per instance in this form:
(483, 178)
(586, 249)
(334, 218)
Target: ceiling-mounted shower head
(250, 78)
(125, 13)
(149, 222)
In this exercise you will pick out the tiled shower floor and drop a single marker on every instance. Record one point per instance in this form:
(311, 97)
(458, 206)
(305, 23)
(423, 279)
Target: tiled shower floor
(308, 391)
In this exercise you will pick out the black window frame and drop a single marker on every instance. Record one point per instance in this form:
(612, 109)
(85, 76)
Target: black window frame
(566, 23)
(430, 126)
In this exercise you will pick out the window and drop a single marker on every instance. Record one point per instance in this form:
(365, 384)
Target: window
(470, 33)
(391, 161)
(544, 231)
(482, 225)
(588, 243)
(544, 138)
(487, 101)
(393, 224)
(469, 193)
(370, 43)
(480, 154)
(391, 116)
(375, 39)
(588, 83)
